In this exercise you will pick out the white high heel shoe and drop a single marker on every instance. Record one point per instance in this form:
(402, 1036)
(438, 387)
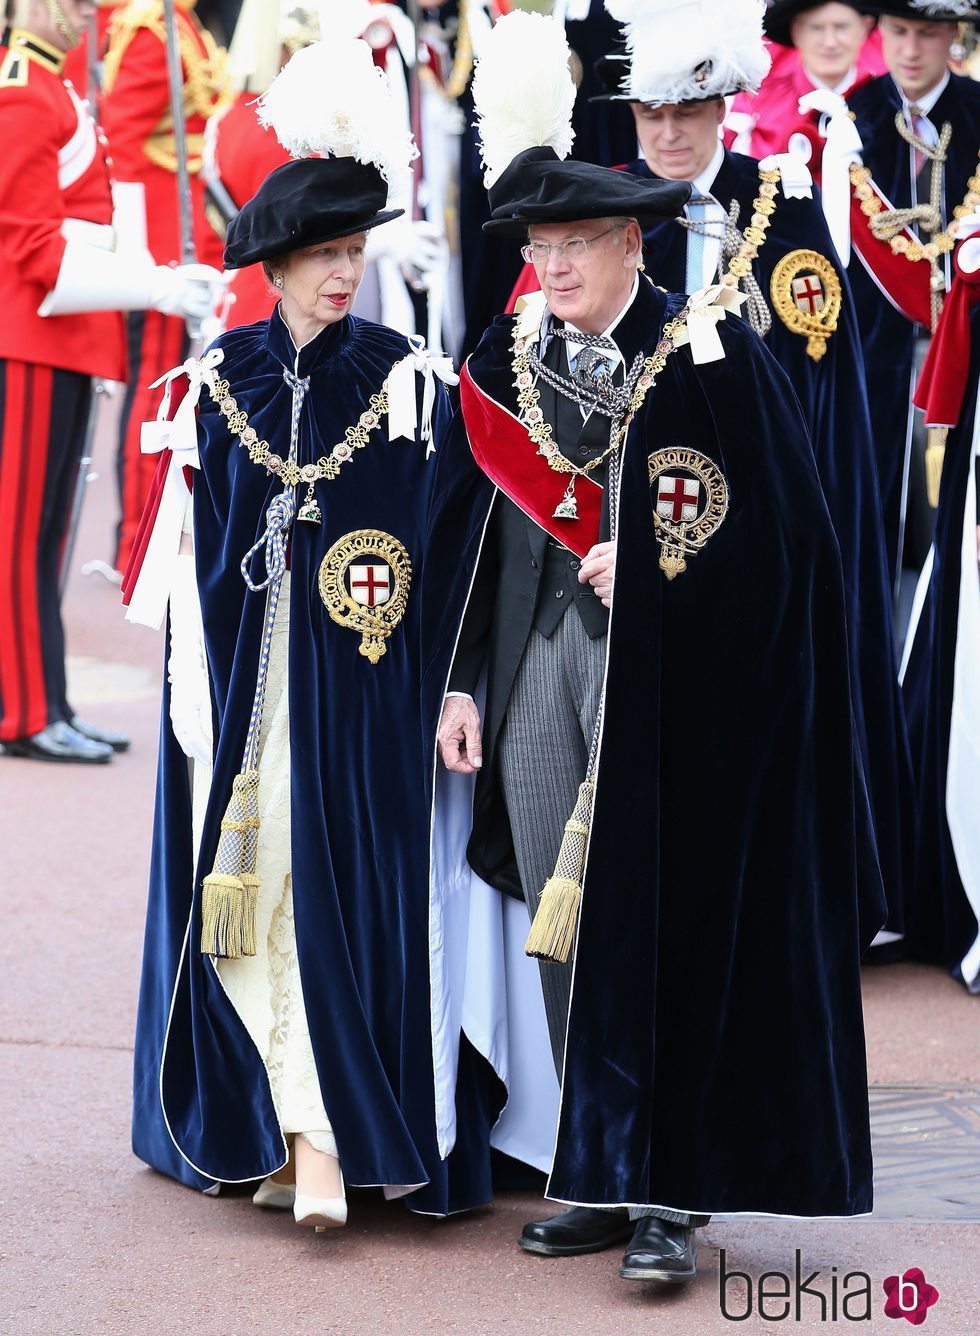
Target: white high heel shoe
(275, 1196)
(321, 1213)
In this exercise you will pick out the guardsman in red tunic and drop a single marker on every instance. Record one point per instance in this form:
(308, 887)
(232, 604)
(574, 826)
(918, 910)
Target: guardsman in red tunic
(64, 285)
(137, 119)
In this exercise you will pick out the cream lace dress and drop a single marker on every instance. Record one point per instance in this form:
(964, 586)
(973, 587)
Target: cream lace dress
(265, 989)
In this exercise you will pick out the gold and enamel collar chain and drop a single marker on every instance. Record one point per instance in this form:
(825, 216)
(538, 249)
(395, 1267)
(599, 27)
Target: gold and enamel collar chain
(531, 417)
(888, 225)
(291, 473)
(763, 207)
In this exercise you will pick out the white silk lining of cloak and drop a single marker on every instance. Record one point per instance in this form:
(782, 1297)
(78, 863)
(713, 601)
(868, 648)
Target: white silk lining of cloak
(484, 986)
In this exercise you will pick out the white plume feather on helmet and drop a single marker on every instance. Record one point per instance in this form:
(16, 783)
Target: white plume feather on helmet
(691, 50)
(331, 99)
(523, 91)
(930, 8)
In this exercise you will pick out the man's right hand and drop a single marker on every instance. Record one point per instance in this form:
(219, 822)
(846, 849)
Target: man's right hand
(460, 743)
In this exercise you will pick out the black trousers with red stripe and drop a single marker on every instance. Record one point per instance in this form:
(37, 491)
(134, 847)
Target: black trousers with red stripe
(43, 418)
(156, 343)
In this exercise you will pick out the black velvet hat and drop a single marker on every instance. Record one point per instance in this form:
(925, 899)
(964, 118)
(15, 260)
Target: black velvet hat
(934, 11)
(779, 17)
(304, 202)
(538, 187)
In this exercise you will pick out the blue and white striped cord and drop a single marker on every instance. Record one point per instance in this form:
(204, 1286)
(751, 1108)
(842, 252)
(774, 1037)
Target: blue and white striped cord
(278, 522)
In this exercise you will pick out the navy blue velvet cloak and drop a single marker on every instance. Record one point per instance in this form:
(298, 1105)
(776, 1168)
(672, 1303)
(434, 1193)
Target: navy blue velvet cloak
(888, 336)
(362, 757)
(832, 395)
(942, 924)
(715, 1057)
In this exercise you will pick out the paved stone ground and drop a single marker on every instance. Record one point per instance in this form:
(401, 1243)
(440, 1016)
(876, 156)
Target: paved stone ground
(93, 1243)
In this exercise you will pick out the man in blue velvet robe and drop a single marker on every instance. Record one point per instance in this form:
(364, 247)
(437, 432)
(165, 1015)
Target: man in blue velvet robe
(902, 119)
(731, 882)
(761, 225)
(942, 669)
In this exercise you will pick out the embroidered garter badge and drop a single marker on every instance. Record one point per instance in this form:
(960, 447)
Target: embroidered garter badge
(806, 294)
(364, 584)
(690, 502)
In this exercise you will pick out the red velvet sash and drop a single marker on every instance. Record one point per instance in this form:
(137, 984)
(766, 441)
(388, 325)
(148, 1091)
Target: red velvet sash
(509, 458)
(904, 283)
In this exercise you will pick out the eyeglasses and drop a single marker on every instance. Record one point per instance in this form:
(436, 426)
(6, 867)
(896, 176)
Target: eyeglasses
(539, 252)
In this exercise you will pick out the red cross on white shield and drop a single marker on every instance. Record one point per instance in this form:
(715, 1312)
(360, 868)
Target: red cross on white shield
(677, 498)
(808, 294)
(370, 585)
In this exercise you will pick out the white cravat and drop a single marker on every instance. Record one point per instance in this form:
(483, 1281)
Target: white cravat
(715, 217)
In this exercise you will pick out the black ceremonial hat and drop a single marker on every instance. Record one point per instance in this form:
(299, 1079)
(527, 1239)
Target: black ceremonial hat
(304, 202)
(539, 187)
(954, 11)
(780, 15)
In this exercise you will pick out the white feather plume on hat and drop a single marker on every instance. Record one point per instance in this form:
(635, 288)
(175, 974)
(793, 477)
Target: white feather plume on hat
(691, 50)
(523, 91)
(962, 9)
(331, 99)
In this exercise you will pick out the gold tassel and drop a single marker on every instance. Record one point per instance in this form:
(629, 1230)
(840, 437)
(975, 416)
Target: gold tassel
(222, 912)
(553, 930)
(250, 899)
(935, 454)
(230, 891)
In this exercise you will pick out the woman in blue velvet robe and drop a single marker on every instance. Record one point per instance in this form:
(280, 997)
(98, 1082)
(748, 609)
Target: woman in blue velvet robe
(351, 714)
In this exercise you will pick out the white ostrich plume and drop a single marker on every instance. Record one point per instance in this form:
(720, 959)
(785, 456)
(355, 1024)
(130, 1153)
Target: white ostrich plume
(691, 50)
(331, 99)
(959, 9)
(523, 90)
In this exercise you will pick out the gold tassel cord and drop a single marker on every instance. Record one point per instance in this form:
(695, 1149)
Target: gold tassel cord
(230, 891)
(553, 930)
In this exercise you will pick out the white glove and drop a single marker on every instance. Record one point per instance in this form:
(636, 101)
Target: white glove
(188, 290)
(94, 279)
(187, 668)
(417, 248)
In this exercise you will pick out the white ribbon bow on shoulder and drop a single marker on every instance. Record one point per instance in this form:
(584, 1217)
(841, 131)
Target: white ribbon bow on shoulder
(842, 147)
(705, 310)
(179, 433)
(148, 603)
(403, 420)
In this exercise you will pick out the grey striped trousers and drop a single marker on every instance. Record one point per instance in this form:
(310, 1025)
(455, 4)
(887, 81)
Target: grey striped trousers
(544, 750)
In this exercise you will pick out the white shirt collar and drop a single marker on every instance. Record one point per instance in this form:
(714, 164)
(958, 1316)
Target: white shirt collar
(928, 100)
(703, 182)
(839, 88)
(573, 348)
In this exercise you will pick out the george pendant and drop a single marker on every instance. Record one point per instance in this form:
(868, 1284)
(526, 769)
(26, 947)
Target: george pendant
(567, 507)
(309, 511)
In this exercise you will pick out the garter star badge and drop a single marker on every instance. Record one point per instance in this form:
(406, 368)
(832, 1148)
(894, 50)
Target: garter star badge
(806, 293)
(364, 583)
(690, 502)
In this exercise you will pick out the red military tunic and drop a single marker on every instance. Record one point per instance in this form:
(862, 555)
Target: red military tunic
(53, 167)
(137, 118)
(138, 123)
(244, 155)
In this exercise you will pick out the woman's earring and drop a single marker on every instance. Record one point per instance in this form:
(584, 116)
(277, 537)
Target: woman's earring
(278, 280)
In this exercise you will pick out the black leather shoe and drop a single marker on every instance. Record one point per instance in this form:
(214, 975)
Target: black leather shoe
(582, 1229)
(660, 1250)
(60, 742)
(117, 741)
